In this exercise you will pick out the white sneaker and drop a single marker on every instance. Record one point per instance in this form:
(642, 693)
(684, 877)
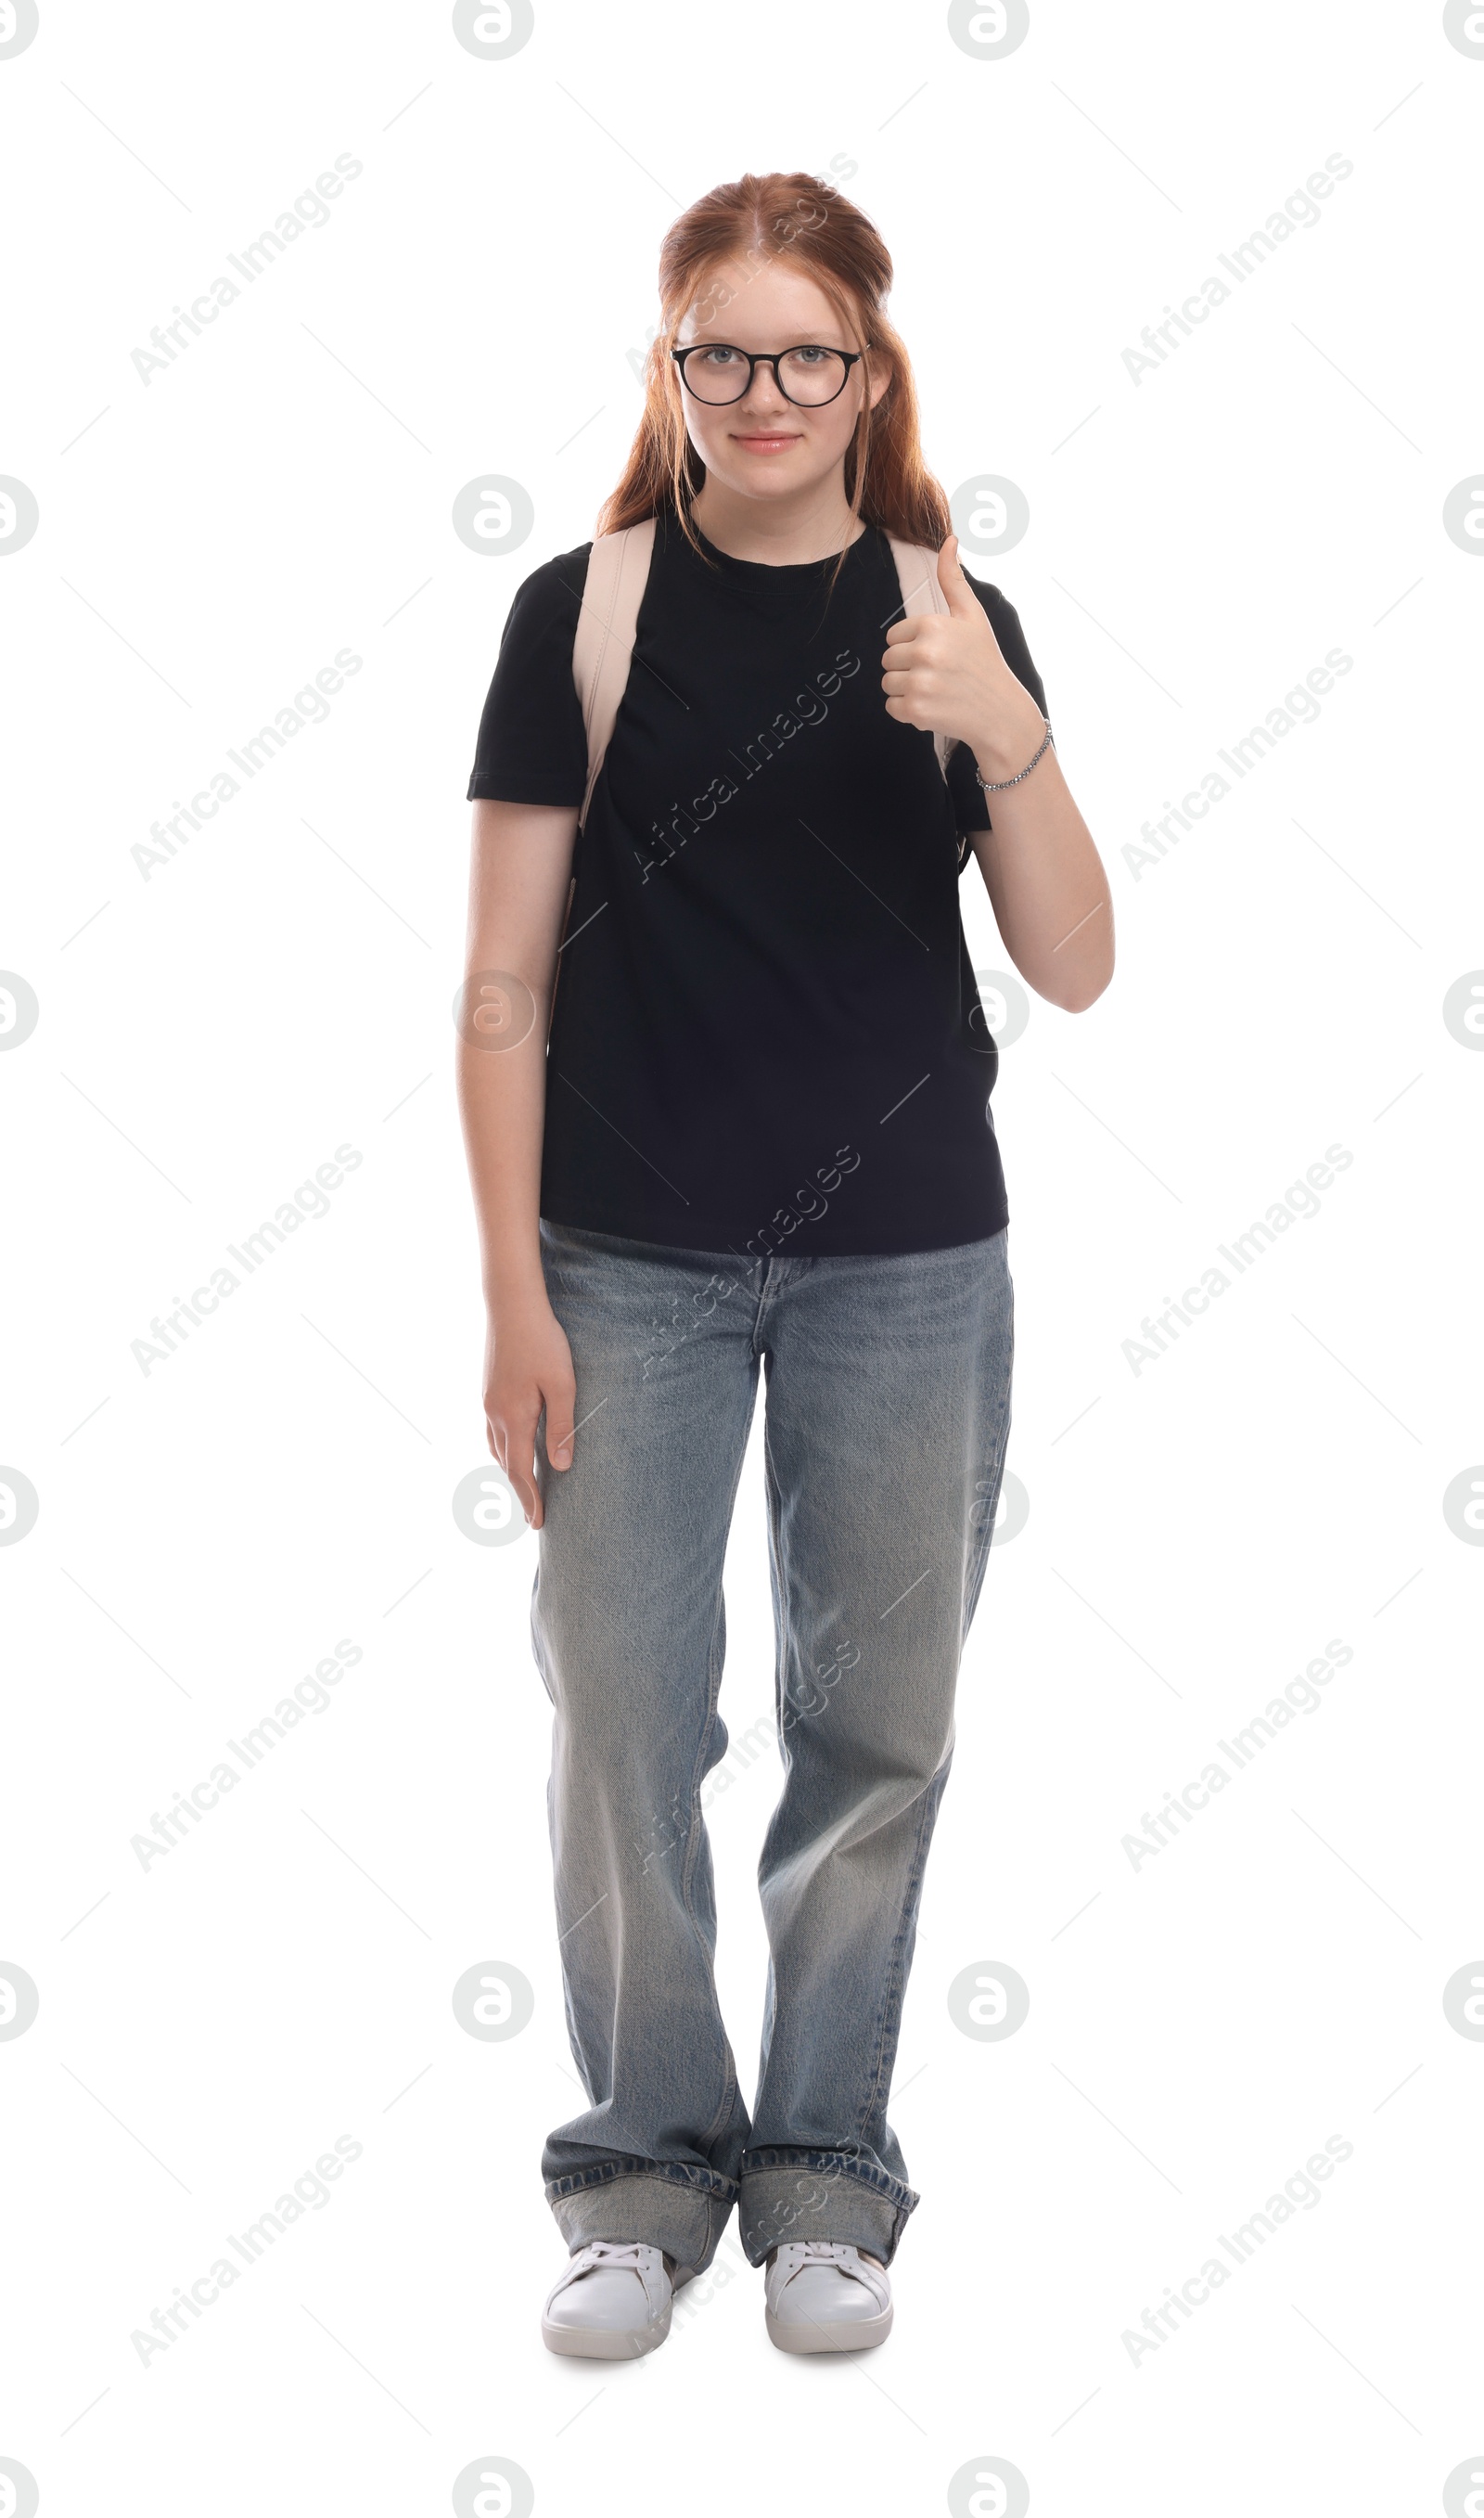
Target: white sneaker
(822, 2297)
(612, 2302)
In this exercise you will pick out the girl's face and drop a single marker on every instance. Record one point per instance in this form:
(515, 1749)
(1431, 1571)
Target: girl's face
(765, 446)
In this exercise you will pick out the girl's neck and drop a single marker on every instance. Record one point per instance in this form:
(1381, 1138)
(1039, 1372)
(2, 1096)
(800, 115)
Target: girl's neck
(783, 533)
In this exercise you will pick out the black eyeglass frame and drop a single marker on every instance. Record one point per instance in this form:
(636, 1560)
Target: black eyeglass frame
(765, 359)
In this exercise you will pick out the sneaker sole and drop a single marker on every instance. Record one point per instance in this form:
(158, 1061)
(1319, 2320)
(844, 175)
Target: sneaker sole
(600, 2342)
(852, 2335)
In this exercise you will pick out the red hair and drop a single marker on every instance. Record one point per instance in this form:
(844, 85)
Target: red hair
(809, 224)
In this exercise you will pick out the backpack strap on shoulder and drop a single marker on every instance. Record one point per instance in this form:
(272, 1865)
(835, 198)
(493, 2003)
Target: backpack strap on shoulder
(618, 572)
(917, 572)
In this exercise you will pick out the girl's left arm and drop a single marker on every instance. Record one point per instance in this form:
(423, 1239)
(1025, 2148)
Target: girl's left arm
(1042, 870)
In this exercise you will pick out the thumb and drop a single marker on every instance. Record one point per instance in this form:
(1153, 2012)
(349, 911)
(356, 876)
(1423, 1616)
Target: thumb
(955, 585)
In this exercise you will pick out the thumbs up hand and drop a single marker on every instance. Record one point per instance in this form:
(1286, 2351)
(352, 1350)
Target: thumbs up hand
(946, 672)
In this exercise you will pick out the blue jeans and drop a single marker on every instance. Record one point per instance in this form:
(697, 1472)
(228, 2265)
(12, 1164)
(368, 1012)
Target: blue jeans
(887, 1413)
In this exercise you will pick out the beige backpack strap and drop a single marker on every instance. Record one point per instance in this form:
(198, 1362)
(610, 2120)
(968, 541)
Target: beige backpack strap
(917, 572)
(617, 570)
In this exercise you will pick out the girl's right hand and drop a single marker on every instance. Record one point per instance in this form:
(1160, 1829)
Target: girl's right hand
(527, 1366)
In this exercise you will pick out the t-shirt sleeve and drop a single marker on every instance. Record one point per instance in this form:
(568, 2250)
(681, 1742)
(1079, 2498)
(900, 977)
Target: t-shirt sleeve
(969, 799)
(531, 746)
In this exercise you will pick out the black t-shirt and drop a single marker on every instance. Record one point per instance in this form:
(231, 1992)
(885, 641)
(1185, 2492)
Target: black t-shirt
(767, 1034)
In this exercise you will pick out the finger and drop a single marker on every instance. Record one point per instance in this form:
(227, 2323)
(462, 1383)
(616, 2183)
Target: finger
(561, 1434)
(911, 692)
(926, 643)
(514, 1446)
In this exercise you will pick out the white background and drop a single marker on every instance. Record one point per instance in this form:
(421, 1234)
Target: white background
(1198, 1530)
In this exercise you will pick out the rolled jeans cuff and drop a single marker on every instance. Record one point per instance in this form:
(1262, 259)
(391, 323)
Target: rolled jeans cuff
(685, 2220)
(791, 2195)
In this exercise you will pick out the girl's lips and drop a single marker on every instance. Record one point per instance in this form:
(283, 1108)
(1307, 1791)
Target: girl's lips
(770, 437)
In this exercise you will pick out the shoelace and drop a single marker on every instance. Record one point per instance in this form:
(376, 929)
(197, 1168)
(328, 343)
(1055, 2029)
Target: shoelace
(823, 2251)
(598, 2255)
(595, 2257)
(625, 2255)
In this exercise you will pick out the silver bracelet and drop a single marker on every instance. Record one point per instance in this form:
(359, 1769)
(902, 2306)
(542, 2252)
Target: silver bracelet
(993, 786)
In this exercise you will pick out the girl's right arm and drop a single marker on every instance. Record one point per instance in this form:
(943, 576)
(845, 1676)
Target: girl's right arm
(520, 872)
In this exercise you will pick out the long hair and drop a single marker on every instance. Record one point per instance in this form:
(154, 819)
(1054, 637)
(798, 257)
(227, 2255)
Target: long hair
(756, 221)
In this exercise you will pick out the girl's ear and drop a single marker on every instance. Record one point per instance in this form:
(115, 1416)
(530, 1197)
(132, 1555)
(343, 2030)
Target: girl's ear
(881, 374)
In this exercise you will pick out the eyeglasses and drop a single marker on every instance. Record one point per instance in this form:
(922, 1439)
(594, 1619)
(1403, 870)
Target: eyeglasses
(714, 372)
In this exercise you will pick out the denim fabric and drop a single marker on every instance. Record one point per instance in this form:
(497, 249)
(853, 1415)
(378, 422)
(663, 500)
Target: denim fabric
(887, 1412)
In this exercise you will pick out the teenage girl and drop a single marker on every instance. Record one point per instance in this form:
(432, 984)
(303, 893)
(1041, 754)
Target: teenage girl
(759, 1137)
